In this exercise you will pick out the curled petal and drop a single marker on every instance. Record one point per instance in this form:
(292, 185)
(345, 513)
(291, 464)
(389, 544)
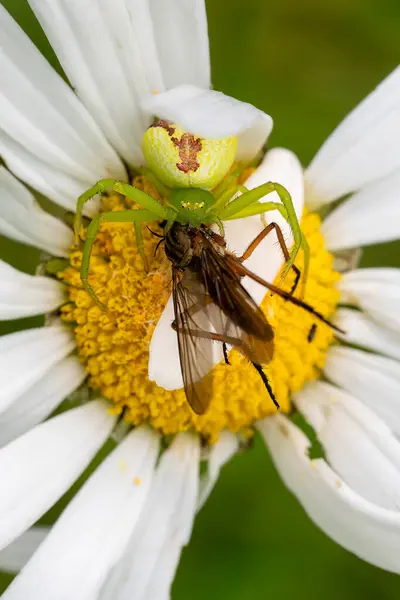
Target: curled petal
(367, 530)
(357, 444)
(211, 114)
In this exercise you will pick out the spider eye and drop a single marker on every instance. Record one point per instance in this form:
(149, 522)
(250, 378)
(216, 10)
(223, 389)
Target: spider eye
(191, 202)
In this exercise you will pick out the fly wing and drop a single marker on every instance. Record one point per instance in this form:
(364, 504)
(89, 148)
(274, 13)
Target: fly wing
(199, 324)
(240, 317)
(213, 307)
(194, 340)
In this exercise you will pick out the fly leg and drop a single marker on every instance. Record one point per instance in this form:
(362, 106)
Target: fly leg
(225, 351)
(208, 335)
(212, 336)
(242, 271)
(261, 236)
(267, 384)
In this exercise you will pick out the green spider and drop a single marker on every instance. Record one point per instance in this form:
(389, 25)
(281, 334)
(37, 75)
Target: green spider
(190, 206)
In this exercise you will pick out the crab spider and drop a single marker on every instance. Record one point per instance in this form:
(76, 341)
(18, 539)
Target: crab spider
(193, 206)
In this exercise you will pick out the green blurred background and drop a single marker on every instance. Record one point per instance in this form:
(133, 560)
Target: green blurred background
(307, 64)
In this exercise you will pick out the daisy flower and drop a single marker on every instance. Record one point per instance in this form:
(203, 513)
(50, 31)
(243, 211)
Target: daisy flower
(121, 535)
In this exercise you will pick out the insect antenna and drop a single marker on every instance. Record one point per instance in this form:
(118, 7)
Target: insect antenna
(156, 234)
(158, 244)
(264, 378)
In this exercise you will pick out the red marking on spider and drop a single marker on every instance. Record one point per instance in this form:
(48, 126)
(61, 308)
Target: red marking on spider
(189, 147)
(165, 125)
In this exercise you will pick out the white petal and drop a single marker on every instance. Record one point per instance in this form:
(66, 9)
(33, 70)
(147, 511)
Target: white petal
(23, 295)
(367, 530)
(62, 188)
(357, 444)
(164, 364)
(17, 554)
(39, 401)
(22, 219)
(38, 467)
(279, 165)
(364, 332)
(369, 217)
(220, 453)
(373, 379)
(182, 41)
(26, 356)
(41, 112)
(376, 291)
(92, 533)
(147, 568)
(363, 148)
(111, 77)
(211, 114)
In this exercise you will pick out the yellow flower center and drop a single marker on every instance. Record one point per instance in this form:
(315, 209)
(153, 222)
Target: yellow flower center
(114, 346)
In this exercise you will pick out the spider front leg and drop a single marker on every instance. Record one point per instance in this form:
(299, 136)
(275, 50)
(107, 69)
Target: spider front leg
(144, 200)
(247, 204)
(222, 201)
(126, 216)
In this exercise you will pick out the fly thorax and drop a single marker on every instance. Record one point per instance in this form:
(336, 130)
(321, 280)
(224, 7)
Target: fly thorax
(179, 245)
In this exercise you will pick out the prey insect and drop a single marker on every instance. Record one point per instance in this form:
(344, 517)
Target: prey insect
(210, 302)
(212, 305)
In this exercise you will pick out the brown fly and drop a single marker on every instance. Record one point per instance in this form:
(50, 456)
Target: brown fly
(211, 305)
